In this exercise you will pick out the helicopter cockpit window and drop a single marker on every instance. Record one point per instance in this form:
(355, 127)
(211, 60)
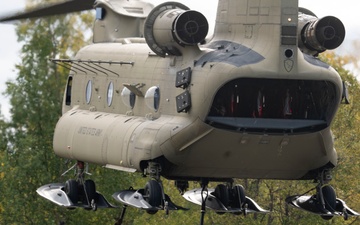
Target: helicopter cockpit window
(266, 104)
(88, 92)
(152, 98)
(128, 97)
(100, 13)
(110, 93)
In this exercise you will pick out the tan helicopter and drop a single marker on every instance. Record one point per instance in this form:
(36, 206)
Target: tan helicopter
(153, 95)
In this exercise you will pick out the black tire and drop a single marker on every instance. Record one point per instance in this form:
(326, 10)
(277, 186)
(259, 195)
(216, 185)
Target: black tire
(72, 190)
(222, 193)
(90, 189)
(329, 199)
(239, 196)
(153, 195)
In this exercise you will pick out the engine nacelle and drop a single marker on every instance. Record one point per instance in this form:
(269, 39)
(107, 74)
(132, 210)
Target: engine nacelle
(318, 35)
(171, 26)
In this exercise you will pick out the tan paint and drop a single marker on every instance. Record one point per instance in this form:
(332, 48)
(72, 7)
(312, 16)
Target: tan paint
(123, 137)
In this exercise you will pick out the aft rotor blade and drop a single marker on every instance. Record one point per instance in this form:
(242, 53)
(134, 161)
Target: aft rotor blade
(54, 9)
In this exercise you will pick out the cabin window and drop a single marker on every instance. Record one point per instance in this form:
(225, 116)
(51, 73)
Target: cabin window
(100, 13)
(152, 98)
(157, 99)
(88, 92)
(128, 97)
(265, 103)
(68, 91)
(110, 93)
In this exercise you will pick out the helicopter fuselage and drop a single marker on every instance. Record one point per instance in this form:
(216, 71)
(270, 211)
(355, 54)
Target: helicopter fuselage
(253, 102)
(255, 138)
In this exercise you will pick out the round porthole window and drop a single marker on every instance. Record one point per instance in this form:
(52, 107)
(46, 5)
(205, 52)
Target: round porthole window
(88, 92)
(110, 93)
(152, 98)
(128, 97)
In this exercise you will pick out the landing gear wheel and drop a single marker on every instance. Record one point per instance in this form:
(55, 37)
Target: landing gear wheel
(72, 190)
(238, 198)
(90, 194)
(222, 193)
(153, 195)
(329, 199)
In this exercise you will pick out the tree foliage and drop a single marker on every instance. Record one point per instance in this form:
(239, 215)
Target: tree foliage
(35, 97)
(28, 162)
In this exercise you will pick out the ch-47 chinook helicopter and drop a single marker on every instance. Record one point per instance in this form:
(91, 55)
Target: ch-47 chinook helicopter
(153, 95)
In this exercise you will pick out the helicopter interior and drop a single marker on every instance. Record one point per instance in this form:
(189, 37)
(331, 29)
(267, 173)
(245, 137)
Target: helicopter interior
(283, 105)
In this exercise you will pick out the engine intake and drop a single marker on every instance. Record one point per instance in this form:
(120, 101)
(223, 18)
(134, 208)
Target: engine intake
(318, 35)
(171, 26)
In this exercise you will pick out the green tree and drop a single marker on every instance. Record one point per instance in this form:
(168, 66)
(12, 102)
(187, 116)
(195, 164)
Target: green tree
(35, 97)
